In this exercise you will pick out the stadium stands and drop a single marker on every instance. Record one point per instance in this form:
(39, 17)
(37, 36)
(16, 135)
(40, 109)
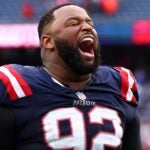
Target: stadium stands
(110, 26)
(129, 11)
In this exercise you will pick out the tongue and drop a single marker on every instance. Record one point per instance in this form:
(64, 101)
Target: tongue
(86, 50)
(86, 46)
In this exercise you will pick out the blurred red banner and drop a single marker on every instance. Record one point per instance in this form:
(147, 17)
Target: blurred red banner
(141, 32)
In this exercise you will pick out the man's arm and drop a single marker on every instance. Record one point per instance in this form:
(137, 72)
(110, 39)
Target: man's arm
(7, 128)
(131, 139)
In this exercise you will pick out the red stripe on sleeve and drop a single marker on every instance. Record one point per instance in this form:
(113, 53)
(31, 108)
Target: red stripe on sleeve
(134, 87)
(23, 84)
(124, 84)
(10, 90)
(127, 75)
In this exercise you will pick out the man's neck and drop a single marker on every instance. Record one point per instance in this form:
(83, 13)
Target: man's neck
(68, 79)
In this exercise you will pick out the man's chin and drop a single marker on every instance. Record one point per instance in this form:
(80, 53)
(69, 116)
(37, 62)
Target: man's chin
(84, 69)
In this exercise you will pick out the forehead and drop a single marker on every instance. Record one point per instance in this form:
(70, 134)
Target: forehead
(70, 11)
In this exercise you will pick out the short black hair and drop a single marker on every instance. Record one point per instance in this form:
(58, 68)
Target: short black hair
(48, 17)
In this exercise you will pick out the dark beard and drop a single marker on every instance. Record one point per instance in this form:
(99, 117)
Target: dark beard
(72, 58)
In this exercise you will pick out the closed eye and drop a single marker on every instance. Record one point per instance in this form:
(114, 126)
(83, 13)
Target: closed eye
(90, 22)
(73, 22)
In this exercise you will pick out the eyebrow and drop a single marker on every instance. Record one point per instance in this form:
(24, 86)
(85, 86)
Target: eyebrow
(78, 18)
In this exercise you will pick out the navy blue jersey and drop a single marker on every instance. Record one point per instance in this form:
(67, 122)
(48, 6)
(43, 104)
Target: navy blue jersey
(49, 115)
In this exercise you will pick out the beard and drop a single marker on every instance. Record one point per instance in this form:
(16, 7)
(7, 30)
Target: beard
(71, 56)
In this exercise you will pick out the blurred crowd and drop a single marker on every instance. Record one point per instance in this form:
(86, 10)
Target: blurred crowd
(105, 6)
(143, 79)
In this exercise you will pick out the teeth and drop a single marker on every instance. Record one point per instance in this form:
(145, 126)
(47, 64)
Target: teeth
(87, 39)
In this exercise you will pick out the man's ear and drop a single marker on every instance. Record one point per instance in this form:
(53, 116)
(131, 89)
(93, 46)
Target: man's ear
(47, 42)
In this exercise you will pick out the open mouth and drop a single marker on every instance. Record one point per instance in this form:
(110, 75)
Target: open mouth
(86, 48)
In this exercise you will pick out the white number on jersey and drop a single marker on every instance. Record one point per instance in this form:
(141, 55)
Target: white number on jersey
(77, 140)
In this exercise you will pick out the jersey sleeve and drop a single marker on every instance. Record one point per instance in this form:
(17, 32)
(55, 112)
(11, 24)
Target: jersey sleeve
(129, 88)
(12, 84)
(131, 138)
(7, 128)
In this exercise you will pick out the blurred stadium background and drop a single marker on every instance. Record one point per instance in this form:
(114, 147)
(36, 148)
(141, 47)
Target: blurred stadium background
(123, 27)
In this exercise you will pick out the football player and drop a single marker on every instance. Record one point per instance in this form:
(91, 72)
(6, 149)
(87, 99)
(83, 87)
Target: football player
(71, 102)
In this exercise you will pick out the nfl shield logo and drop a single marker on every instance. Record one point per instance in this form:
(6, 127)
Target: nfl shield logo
(81, 95)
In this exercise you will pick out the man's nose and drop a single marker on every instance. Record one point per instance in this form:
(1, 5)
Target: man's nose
(86, 26)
